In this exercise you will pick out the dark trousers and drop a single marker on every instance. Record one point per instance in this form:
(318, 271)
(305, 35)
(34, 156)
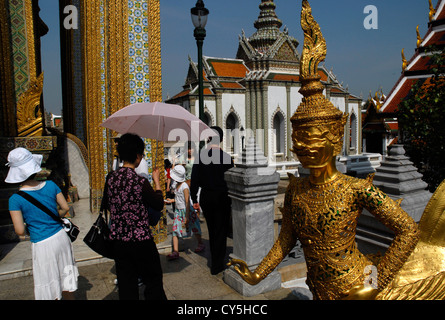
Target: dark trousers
(217, 207)
(138, 259)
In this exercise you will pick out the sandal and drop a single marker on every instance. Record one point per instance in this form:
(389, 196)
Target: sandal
(200, 248)
(173, 256)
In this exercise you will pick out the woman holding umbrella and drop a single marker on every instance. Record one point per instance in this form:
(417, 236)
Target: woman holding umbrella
(128, 197)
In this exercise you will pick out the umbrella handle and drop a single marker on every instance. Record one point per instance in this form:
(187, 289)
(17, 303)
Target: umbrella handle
(157, 142)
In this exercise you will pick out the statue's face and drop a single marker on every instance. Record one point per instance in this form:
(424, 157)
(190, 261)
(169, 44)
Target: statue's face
(312, 147)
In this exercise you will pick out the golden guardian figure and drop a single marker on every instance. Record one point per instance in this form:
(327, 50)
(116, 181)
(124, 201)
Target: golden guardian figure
(322, 210)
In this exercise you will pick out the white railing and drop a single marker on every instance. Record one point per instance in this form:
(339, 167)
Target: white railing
(283, 168)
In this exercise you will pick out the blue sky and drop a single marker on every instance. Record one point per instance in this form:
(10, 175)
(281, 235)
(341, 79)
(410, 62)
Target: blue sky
(364, 60)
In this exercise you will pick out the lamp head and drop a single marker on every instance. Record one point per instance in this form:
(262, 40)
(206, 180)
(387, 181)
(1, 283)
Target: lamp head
(199, 15)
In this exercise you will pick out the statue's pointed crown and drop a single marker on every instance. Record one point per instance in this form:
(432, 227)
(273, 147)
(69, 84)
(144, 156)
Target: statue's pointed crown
(315, 108)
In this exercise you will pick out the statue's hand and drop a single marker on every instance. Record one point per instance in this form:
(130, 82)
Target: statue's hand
(242, 269)
(362, 293)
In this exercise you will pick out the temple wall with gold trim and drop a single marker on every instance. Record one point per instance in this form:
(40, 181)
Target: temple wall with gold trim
(120, 50)
(21, 88)
(111, 60)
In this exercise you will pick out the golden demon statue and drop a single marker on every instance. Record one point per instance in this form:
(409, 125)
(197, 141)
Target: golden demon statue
(322, 210)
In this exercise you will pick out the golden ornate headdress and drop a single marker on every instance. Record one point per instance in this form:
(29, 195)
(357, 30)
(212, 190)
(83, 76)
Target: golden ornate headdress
(315, 108)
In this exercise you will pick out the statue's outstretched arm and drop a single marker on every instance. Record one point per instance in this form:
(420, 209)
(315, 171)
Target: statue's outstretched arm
(282, 247)
(404, 227)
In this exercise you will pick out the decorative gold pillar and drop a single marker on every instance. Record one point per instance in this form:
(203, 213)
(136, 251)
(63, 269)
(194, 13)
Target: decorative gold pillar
(7, 92)
(122, 63)
(21, 82)
(92, 50)
(155, 76)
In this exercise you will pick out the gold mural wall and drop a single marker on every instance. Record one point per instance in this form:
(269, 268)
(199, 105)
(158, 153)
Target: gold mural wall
(21, 82)
(7, 90)
(122, 65)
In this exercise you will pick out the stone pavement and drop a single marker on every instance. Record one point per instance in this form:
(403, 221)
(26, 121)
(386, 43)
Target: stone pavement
(187, 278)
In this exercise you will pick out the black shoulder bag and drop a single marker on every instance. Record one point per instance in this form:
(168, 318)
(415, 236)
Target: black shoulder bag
(98, 236)
(71, 229)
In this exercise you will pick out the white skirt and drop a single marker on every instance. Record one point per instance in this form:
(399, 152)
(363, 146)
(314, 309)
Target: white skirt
(54, 267)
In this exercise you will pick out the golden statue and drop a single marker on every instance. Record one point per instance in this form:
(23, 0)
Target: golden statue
(322, 210)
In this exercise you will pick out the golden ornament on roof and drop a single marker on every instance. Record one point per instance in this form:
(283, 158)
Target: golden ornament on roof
(432, 11)
(404, 61)
(419, 38)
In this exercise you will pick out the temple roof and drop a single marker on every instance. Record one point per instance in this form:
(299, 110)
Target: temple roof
(218, 73)
(230, 74)
(417, 68)
(269, 54)
(268, 42)
(268, 27)
(225, 68)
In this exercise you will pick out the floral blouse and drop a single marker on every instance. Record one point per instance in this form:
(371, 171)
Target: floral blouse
(129, 197)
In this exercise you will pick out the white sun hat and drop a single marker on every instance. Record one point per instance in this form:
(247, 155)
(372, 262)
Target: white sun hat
(178, 174)
(22, 165)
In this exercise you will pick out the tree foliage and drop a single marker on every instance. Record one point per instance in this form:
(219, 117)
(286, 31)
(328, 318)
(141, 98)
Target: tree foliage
(422, 122)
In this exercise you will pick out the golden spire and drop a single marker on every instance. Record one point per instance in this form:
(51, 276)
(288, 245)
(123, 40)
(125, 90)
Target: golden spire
(432, 11)
(315, 108)
(419, 39)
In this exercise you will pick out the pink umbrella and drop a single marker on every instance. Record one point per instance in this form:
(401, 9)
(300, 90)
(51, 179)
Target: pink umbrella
(159, 121)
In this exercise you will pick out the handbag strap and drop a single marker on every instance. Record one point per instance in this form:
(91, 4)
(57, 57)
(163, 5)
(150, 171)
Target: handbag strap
(39, 205)
(104, 206)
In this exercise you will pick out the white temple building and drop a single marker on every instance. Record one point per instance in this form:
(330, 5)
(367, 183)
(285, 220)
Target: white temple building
(258, 92)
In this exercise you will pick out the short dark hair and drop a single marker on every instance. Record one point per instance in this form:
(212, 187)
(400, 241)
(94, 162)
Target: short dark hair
(129, 147)
(32, 177)
(167, 164)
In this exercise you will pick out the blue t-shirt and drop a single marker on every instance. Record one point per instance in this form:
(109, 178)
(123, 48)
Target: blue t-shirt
(40, 225)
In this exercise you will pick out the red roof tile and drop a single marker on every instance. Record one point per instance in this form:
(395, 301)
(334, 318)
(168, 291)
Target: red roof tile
(207, 91)
(323, 75)
(437, 39)
(424, 63)
(286, 77)
(229, 69)
(393, 126)
(181, 94)
(441, 14)
(401, 94)
(231, 85)
(337, 90)
(395, 141)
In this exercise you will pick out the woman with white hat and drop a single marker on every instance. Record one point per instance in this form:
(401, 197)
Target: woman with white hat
(54, 268)
(186, 220)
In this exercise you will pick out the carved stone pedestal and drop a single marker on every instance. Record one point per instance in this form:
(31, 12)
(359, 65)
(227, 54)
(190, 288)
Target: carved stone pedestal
(253, 187)
(399, 179)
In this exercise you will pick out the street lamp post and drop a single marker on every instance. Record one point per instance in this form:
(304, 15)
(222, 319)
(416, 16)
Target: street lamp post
(199, 19)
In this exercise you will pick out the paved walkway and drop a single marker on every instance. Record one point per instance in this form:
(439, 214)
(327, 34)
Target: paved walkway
(187, 278)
